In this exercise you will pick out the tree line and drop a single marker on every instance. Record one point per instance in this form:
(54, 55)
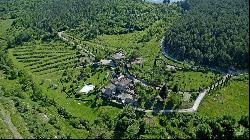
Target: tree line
(88, 18)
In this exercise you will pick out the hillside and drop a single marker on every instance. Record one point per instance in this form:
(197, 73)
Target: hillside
(98, 69)
(212, 33)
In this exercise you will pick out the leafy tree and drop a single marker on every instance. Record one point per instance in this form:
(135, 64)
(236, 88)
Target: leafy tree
(176, 100)
(228, 124)
(164, 92)
(244, 120)
(203, 131)
(132, 131)
(166, 1)
(217, 129)
(124, 120)
(22, 37)
(36, 92)
(176, 88)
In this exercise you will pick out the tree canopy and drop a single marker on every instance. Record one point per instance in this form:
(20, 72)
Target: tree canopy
(212, 33)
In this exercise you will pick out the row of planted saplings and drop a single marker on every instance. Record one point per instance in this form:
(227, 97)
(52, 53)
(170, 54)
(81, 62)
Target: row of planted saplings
(57, 65)
(41, 61)
(219, 83)
(53, 61)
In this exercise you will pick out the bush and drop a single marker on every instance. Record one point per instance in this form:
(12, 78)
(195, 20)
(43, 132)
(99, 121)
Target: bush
(64, 113)
(244, 121)
(77, 123)
(53, 121)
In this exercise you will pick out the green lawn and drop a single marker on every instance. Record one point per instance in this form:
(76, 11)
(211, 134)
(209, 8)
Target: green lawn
(232, 99)
(5, 24)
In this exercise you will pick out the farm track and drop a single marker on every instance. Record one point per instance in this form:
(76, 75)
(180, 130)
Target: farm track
(5, 116)
(62, 34)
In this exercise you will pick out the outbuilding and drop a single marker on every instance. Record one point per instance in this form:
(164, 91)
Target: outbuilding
(86, 89)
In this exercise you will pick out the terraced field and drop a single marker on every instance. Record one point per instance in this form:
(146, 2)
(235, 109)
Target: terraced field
(42, 59)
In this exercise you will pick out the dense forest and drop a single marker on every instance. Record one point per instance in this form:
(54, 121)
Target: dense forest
(88, 18)
(212, 33)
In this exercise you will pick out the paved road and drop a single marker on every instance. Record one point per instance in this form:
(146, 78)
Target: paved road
(165, 53)
(201, 95)
(197, 102)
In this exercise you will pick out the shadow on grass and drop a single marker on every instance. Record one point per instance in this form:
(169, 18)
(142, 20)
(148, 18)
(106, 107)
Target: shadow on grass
(158, 107)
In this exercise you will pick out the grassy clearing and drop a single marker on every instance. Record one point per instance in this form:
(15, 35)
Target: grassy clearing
(232, 99)
(125, 42)
(192, 81)
(4, 25)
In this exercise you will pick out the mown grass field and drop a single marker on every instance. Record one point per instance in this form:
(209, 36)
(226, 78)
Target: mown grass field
(124, 42)
(4, 26)
(232, 99)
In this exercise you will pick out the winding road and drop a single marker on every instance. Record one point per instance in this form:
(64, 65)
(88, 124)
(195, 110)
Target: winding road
(201, 95)
(198, 100)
